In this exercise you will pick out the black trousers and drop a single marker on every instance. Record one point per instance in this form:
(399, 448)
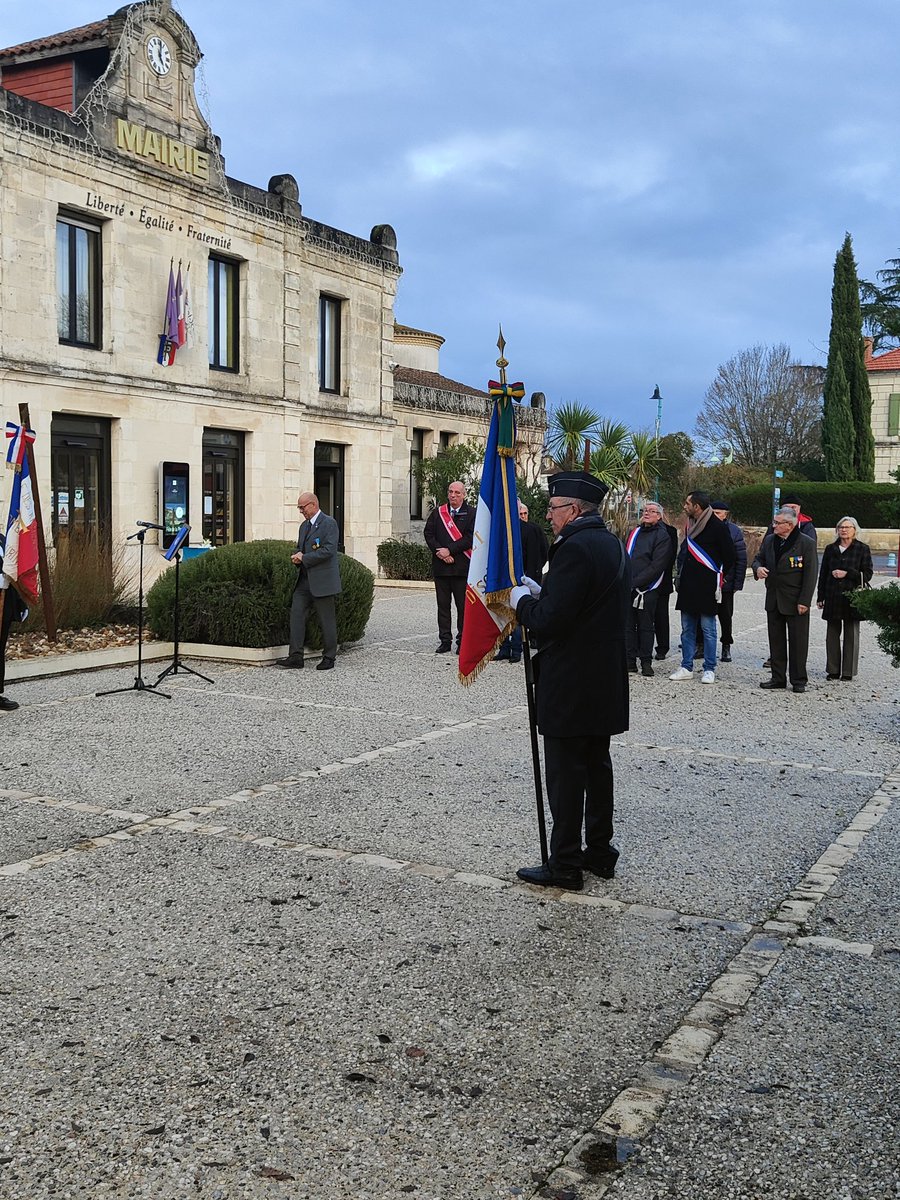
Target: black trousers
(726, 615)
(788, 646)
(447, 588)
(5, 624)
(641, 627)
(580, 792)
(661, 623)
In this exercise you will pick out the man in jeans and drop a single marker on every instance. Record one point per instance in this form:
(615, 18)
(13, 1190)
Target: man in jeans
(705, 557)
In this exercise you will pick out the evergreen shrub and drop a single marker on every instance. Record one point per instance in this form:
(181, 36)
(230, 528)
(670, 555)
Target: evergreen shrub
(240, 595)
(824, 503)
(400, 559)
(881, 606)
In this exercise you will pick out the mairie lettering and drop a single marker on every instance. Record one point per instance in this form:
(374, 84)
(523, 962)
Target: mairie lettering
(175, 156)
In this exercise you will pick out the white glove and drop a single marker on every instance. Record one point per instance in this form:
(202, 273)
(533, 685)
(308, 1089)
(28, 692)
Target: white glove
(517, 594)
(533, 587)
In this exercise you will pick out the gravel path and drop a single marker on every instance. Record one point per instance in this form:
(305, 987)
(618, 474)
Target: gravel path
(265, 939)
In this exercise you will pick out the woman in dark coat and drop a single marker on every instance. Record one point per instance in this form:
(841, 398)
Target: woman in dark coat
(846, 565)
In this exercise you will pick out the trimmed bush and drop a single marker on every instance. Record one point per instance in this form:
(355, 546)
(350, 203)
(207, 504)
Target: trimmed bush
(881, 606)
(404, 560)
(825, 503)
(240, 595)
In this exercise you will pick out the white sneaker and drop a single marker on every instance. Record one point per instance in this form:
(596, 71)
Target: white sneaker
(708, 677)
(682, 673)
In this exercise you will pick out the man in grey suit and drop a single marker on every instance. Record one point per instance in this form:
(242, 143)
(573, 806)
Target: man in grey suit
(318, 582)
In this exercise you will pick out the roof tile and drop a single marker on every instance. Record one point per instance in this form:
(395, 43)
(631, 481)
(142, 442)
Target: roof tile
(59, 41)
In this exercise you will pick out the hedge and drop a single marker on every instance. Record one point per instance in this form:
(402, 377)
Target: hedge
(399, 559)
(824, 503)
(240, 595)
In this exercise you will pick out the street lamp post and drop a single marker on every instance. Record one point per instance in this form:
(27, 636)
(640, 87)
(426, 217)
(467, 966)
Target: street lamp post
(658, 398)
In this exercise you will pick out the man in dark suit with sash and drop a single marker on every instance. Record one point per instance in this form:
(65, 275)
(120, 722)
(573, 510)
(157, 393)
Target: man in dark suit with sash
(448, 534)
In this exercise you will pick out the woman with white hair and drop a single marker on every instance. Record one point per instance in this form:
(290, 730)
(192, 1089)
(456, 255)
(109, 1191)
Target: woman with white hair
(846, 565)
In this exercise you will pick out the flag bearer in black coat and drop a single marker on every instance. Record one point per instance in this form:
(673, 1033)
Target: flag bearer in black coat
(581, 678)
(534, 556)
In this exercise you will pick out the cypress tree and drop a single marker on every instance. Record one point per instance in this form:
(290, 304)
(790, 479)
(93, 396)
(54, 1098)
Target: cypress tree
(838, 439)
(845, 345)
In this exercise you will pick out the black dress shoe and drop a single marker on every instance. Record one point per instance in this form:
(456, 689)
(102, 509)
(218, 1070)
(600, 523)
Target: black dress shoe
(501, 658)
(515, 658)
(325, 664)
(798, 687)
(647, 668)
(725, 656)
(545, 876)
(292, 660)
(443, 650)
(7, 705)
(771, 685)
(661, 654)
(832, 676)
(767, 664)
(632, 667)
(603, 867)
(847, 678)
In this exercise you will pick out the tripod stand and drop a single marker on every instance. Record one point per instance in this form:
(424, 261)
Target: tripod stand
(139, 685)
(176, 664)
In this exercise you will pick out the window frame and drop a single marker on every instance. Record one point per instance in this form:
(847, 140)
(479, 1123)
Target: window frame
(330, 358)
(893, 422)
(74, 221)
(214, 301)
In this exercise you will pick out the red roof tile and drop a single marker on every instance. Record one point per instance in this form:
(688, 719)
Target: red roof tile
(433, 380)
(71, 38)
(884, 362)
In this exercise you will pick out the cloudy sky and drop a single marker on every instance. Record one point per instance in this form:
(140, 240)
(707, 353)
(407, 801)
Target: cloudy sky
(636, 189)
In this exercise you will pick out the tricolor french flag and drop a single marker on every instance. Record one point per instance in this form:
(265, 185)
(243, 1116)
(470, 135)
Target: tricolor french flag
(20, 557)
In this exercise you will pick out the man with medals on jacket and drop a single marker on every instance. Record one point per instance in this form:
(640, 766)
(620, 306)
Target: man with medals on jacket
(581, 678)
(788, 561)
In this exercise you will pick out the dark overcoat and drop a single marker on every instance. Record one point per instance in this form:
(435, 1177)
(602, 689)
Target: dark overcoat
(792, 575)
(835, 593)
(535, 549)
(436, 535)
(652, 555)
(697, 584)
(580, 620)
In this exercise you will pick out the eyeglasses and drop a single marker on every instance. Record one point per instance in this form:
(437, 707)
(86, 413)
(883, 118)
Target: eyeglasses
(554, 507)
(781, 522)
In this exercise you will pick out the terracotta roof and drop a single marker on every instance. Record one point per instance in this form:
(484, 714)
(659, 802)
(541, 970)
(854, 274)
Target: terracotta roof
(433, 380)
(70, 39)
(884, 362)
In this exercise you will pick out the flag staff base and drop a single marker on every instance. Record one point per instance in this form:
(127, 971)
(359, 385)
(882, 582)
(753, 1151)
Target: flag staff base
(176, 666)
(535, 753)
(139, 685)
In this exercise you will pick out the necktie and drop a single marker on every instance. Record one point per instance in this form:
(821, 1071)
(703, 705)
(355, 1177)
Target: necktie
(453, 512)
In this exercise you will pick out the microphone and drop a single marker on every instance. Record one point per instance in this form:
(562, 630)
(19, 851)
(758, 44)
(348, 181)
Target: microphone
(149, 525)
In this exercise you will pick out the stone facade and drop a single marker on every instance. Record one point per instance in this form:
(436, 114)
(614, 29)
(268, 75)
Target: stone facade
(132, 164)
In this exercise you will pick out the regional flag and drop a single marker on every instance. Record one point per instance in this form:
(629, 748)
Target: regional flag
(179, 309)
(168, 339)
(496, 563)
(190, 334)
(20, 558)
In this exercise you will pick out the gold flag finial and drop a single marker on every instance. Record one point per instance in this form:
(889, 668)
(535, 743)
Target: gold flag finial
(501, 361)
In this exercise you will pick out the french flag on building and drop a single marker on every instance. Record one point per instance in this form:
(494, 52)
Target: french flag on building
(20, 557)
(496, 563)
(170, 338)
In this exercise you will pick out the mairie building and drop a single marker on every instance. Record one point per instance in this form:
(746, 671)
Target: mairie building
(291, 374)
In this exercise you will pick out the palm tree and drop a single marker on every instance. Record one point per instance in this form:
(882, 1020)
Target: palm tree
(570, 424)
(644, 470)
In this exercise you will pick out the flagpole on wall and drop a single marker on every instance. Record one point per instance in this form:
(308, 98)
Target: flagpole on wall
(43, 568)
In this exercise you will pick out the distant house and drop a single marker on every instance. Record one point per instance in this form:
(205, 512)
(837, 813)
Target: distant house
(884, 383)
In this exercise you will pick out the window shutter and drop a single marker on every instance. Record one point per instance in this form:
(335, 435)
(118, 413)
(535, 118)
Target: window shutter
(894, 414)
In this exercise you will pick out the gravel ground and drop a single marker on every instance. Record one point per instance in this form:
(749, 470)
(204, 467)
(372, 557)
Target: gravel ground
(195, 1015)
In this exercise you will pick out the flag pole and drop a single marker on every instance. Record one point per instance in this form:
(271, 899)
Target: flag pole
(43, 568)
(502, 364)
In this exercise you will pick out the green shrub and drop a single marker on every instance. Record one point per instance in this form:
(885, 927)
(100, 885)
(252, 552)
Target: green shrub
(399, 559)
(240, 595)
(881, 606)
(88, 582)
(825, 503)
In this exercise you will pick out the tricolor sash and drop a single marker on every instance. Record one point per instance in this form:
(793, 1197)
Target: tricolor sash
(451, 526)
(629, 546)
(706, 560)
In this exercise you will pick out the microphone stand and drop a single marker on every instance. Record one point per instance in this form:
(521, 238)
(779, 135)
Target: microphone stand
(176, 664)
(138, 685)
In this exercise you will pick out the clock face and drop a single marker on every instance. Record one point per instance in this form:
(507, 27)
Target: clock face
(159, 56)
